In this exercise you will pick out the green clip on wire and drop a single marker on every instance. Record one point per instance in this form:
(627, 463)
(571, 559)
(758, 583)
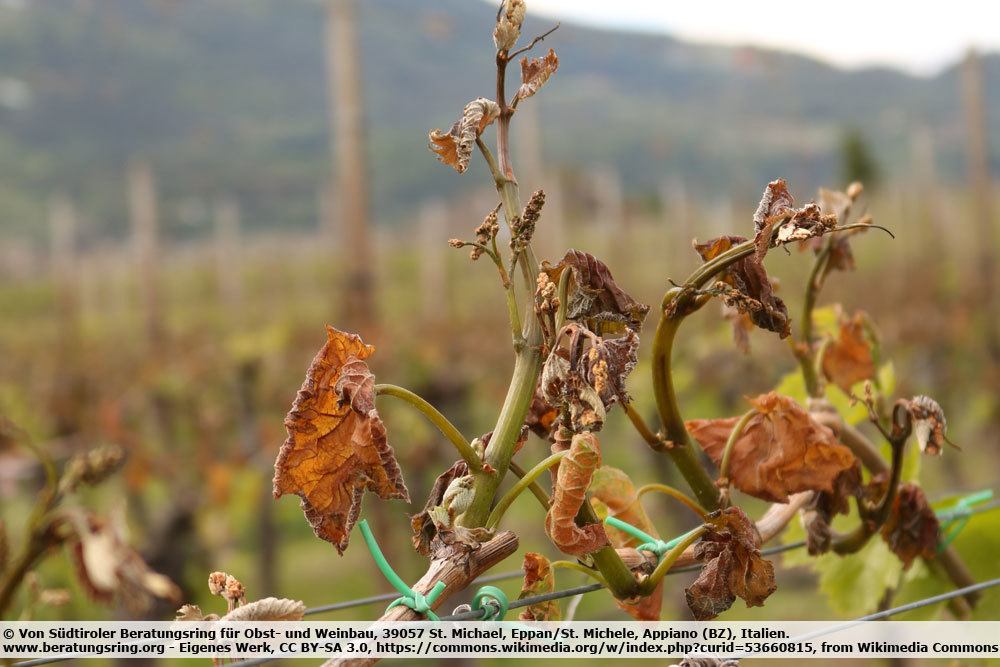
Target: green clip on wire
(650, 543)
(492, 601)
(953, 520)
(415, 600)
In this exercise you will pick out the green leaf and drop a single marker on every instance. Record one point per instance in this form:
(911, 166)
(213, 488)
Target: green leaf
(854, 584)
(920, 582)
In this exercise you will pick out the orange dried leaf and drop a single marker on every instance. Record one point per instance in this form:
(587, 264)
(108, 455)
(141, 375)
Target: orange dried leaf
(613, 488)
(732, 566)
(538, 579)
(336, 447)
(454, 148)
(912, 527)
(535, 72)
(781, 450)
(848, 359)
(572, 480)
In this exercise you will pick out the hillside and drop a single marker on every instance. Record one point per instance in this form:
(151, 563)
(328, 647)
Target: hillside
(228, 96)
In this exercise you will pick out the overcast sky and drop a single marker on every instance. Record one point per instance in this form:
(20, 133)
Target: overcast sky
(918, 36)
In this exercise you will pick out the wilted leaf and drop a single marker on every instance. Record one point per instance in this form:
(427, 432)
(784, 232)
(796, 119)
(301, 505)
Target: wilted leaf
(732, 566)
(848, 359)
(781, 450)
(538, 579)
(109, 569)
(427, 524)
(818, 514)
(268, 609)
(929, 424)
(912, 527)
(749, 278)
(585, 374)
(773, 203)
(454, 148)
(541, 415)
(535, 72)
(336, 447)
(594, 299)
(508, 27)
(572, 480)
(613, 488)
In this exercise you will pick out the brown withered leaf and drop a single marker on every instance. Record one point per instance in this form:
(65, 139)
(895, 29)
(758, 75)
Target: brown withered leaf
(572, 480)
(818, 514)
(775, 200)
(541, 415)
(585, 374)
(454, 147)
(781, 450)
(912, 527)
(750, 279)
(422, 524)
(109, 569)
(594, 299)
(848, 359)
(535, 72)
(614, 490)
(929, 424)
(336, 447)
(538, 579)
(732, 566)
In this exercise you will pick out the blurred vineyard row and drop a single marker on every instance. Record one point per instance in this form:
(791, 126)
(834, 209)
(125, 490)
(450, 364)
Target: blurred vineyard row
(188, 355)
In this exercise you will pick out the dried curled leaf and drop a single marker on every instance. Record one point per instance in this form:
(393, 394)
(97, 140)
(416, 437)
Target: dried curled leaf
(773, 203)
(508, 27)
(594, 299)
(422, 524)
(454, 147)
(838, 204)
(781, 450)
(535, 72)
(109, 569)
(912, 527)
(572, 480)
(749, 278)
(541, 415)
(929, 424)
(732, 566)
(189, 612)
(848, 359)
(612, 489)
(267, 609)
(336, 447)
(538, 579)
(818, 513)
(585, 374)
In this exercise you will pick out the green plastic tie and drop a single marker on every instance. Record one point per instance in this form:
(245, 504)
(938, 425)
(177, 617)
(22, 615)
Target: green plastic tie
(492, 601)
(412, 599)
(650, 543)
(954, 519)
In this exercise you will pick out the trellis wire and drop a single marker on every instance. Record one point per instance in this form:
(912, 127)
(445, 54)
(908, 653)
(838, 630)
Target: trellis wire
(590, 588)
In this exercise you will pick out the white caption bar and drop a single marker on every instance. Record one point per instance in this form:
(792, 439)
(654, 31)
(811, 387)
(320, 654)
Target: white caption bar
(315, 639)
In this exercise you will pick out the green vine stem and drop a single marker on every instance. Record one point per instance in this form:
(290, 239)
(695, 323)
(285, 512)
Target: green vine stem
(535, 488)
(676, 494)
(655, 442)
(573, 565)
(649, 584)
(528, 348)
(727, 453)
(447, 429)
(530, 476)
(620, 580)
